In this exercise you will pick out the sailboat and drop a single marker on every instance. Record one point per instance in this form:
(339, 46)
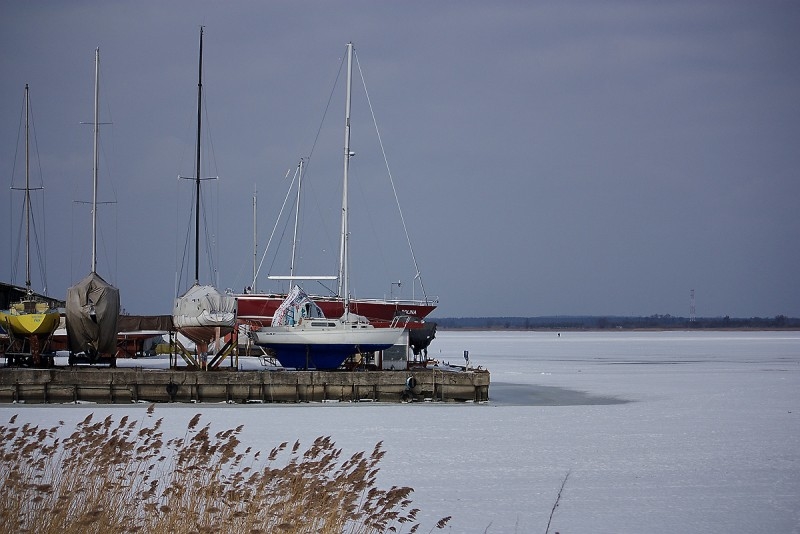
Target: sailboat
(31, 318)
(300, 334)
(258, 308)
(301, 337)
(202, 313)
(93, 304)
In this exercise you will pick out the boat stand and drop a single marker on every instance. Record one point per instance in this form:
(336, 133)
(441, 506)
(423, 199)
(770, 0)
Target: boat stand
(28, 351)
(199, 358)
(93, 359)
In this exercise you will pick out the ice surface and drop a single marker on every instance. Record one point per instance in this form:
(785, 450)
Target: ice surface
(659, 432)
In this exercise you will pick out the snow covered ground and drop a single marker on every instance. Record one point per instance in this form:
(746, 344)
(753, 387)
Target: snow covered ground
(658, 431)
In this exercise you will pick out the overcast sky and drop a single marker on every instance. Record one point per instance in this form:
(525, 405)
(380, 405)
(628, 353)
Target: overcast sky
(550, 158)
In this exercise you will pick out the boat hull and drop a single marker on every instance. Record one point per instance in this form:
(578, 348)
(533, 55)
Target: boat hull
(297, 348)
(205, 335)
(30, 324)
(261, 307)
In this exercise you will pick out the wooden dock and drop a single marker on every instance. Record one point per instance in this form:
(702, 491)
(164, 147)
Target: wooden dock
(118, 386)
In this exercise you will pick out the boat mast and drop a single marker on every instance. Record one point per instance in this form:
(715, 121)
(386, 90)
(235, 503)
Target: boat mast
(343, 278)
(255, 236)
(197, 165)
(95, 164)
(27, 195)
(296, 219)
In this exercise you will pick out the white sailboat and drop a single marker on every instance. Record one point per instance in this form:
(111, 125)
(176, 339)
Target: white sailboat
(300, 335)
(303, 338)
(257, 308)
(202, 313)
(31, 319)
(92, 306)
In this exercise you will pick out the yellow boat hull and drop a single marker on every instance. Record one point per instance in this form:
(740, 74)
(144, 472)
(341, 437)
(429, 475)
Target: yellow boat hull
(27, 324)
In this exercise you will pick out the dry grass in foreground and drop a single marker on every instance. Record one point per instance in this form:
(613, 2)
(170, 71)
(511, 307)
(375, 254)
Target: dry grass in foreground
(123, 477)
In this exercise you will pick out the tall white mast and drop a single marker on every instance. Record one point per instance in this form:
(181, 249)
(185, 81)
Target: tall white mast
(344, 290)
(96, 156)
(197, 165)
(255, 236)
(296, 219)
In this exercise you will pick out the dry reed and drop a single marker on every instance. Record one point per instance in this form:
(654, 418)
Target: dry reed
(126, 477)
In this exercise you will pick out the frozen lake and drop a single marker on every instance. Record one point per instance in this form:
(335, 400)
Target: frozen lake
(659, 432)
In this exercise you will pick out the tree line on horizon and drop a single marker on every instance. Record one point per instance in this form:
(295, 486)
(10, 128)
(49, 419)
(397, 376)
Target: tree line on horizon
(609, 322)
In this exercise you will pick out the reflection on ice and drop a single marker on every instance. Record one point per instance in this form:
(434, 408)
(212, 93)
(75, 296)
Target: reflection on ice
(508, 394)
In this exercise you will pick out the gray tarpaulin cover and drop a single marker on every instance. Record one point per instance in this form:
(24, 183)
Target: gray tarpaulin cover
(138, 323)
(92, 315)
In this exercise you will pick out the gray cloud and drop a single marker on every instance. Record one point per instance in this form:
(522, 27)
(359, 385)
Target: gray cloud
(550, 157)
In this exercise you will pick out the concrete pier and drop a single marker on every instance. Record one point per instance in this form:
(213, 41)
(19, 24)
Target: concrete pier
(116, 386)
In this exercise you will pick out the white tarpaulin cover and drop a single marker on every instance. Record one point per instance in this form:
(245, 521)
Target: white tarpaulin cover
(203, 305)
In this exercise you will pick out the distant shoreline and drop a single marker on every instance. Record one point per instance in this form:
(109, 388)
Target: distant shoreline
(614, 323)
(675, 329)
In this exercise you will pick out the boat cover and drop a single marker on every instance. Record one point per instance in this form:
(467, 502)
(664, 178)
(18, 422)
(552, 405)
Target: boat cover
(92, 315)
(136, 323)
(296, 306)
(203, 305)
